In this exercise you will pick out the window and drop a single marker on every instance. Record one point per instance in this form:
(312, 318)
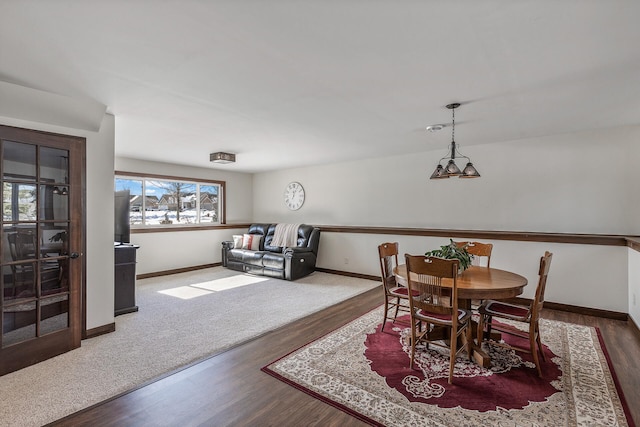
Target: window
(161, 200)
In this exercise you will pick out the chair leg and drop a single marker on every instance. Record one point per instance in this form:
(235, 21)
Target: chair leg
(413, 343)
(479, 332)
(452, 355)
(385, 313)
(534, 352)
(395, 315)
(539, 341)
(427, 328)
(487, 333)
(469, 335)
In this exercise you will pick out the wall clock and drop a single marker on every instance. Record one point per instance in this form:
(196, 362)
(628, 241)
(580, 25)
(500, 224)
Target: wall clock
(294, 196)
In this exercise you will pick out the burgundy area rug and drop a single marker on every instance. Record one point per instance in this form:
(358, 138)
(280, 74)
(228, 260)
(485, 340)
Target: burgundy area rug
(365, 373)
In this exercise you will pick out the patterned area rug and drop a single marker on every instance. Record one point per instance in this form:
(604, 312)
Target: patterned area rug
(365, 373)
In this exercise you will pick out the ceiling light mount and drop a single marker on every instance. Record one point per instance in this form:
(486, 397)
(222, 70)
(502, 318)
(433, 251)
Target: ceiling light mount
(222, 158)
(451, 169)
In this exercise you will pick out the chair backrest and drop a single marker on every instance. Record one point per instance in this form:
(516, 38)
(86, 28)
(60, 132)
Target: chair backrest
(543, 272)
(424, 275)
(308, 237)
(478, 249)
(388, 253)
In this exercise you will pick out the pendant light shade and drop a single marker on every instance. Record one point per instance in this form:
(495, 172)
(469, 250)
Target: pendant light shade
(439, 173)
(469, 171)
(451, 169)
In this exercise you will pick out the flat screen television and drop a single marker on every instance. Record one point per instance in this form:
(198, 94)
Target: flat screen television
(122, 227)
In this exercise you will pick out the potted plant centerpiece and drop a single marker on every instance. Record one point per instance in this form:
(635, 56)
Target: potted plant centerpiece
(453, 251)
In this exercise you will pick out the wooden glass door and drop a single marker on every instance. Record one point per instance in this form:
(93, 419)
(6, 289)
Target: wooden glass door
(40, 246)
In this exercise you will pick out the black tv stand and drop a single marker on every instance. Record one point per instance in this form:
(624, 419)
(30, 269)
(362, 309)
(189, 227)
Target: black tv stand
(125, 278)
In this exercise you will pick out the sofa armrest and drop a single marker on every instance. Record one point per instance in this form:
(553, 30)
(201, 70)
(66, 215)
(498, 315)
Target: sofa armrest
(298, 262)
(227, 245)
(296, 250)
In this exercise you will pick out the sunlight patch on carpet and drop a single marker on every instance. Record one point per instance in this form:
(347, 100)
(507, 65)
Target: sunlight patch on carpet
(205, 288)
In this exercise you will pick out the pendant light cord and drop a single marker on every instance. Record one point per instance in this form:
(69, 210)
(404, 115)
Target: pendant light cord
(453, 124)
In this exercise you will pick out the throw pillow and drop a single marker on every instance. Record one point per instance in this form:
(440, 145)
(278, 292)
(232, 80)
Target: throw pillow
(251, 241)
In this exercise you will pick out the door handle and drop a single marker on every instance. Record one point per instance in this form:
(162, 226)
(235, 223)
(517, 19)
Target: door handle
(74, 255)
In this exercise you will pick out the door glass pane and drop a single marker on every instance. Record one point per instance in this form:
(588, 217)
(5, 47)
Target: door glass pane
(63, 275)
(19, 249)
(7, 205)
(18, 201)
(54, 314)
(54, 203)
(18, 323)
(54, 164)
(54, 240)
(50, 277)
(19, 282)
(22, 281)
(8, 286)
(19, 161)
(21, 243)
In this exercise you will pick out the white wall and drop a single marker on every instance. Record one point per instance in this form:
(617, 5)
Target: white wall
(99, 226)
(179, 249)
(100, 273)
(571, 183)
(173, 250)
(574, 279)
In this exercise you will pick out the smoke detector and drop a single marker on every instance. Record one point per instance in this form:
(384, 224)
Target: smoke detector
(435, 128)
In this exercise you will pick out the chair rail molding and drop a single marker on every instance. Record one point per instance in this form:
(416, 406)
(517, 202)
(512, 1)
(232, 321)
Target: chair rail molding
(524, 236)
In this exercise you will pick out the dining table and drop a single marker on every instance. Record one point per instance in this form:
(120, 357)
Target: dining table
(478, 283)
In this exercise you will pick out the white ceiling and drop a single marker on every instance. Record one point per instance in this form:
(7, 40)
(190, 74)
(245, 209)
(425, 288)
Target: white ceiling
(294, 83)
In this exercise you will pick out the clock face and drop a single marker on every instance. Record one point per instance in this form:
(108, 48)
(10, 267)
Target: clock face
(294, 196)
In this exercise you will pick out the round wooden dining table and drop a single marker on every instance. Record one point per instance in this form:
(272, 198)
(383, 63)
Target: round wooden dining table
(478, 283)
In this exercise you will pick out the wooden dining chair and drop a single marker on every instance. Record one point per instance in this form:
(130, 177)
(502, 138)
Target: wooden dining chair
(396, 297)
(478, 250)
(435, 306)
(491, 309)
(481, 253)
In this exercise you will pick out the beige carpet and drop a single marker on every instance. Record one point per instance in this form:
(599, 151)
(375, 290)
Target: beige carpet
(183, 318)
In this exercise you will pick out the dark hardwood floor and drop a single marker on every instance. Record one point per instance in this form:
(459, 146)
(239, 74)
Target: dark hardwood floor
(230, 390)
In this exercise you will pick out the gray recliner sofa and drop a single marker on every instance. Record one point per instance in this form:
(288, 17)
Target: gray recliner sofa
(289, 263)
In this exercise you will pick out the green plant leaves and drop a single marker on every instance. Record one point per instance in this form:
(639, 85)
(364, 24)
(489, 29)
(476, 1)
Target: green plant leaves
(452, 251)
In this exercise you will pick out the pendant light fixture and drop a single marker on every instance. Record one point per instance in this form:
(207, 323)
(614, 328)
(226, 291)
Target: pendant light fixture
(451, 169)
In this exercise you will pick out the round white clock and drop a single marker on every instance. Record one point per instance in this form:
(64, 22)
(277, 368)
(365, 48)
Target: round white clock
(294, 196)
